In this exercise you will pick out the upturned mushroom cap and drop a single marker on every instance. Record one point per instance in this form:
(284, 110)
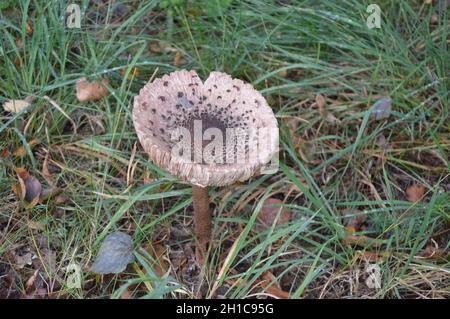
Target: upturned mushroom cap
(180, 101)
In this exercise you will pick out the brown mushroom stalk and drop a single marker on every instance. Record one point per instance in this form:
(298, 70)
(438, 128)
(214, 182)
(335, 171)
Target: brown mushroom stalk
(231, 135)
(202, 220)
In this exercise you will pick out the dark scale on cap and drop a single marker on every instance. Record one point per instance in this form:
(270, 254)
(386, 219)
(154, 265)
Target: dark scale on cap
(180, 94)
(162, 98)
(144, 106)
(161, 130)
(153, 111)
(236, 87)
(166, 83)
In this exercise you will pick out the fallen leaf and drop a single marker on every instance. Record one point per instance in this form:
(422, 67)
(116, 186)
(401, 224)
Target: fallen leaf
(177, 59)
(17, 61)
(126, 294)
(271, 286)
(320, 101)
(353, 220)
(22, 151)
(434, 18)
(160, 264)
(133, 73)
(116, 252)
(270, 210)
(266, 283)
(369, 256)
(154, 47)
(23, 260)
(30, 282)
(32, 224)
(329, 117)
(91, 91)
(282, 73)
(4, 153)
(30, 187)
(332, 119)
(415, 192)
(19, 43)
(45, 171)
(382, 108)
(29, 28)
(15, 106)
(432, 251)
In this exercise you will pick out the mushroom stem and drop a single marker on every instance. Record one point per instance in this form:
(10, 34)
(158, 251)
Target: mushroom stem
(202, 220)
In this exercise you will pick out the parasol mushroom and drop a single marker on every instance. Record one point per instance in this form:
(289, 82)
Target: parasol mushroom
(211, 133)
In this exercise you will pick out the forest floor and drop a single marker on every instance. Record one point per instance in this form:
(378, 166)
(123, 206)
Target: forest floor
(363, 180)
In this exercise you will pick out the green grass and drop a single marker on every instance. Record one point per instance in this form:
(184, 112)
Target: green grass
(290, 51)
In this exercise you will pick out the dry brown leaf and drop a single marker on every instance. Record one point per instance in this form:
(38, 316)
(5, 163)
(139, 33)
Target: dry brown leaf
(30, 187)
(270, 210)
(126, 294)
(415, 192)
(434, 18)
(45, 171)
(91, 91)
(29, 28)
(332, 119)
(329, 117)
(154, 47)
(23, 260)
(133, 73)
(177, 59)
(355, 240)
(282, 73)
(17, 61)
(271, 285)
(19, 43)
(432, 251)
(320, 101)
(160, 265)
(22, 151)
(353, 220)
(30, 282)
(266, 282)
(4, 153)
(15, 106)
(369, 256)
(32, 224)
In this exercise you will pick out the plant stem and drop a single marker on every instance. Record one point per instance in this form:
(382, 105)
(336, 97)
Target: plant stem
(202, 221)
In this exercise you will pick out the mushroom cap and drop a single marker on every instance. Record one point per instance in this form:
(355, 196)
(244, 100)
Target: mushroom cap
(172, 113)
